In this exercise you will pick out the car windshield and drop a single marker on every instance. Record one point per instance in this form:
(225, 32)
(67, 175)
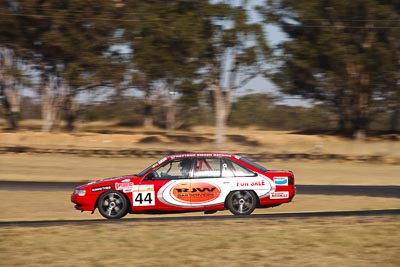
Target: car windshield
(151, 166)
(146, 170)
(261, 168)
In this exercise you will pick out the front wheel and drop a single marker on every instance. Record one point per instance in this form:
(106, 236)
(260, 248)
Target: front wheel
(241, 202)
(113, 205)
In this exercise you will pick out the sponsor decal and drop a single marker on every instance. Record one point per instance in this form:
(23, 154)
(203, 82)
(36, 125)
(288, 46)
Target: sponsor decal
(197, 193)
(95, 189)
(162, 160)
(278, 180)
(143, 187)
(143, 195)
(279, 195)
(124, 186)
(251, 183)
(199, 155)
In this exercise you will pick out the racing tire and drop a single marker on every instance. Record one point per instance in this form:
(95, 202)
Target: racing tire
(241, 202)
(113, 204)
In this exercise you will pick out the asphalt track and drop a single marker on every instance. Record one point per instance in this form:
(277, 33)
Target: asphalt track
(271, 216)
(353, 190)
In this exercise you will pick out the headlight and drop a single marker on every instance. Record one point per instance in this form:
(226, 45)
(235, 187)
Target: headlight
(80, 192)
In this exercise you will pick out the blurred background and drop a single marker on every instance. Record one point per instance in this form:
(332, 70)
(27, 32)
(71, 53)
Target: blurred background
(97, 89)
(330, 66)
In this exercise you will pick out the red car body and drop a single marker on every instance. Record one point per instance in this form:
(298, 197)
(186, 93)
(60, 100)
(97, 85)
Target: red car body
(206, 182)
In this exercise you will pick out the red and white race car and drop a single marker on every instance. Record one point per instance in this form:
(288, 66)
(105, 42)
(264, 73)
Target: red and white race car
(206, 182)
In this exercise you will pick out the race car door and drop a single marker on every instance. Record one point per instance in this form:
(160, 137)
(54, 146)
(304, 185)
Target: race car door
(165, 182)
(214, 178)
(209, 185)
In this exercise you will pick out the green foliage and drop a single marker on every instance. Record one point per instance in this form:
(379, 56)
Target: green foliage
(170, 39)
(127, 111)
(344, 53)
(67, 37)
(260, 110)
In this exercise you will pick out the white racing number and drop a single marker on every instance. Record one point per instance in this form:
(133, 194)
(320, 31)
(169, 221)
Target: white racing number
(143, 195)
(143, 198)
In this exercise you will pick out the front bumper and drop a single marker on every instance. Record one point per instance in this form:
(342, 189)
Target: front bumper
(84, 203)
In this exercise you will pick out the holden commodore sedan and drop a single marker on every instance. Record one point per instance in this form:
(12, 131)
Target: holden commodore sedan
(207, 182)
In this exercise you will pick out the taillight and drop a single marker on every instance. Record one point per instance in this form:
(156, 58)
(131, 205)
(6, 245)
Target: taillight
(291, 180)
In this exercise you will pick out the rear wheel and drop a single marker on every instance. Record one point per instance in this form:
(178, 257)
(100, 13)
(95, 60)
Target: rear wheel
(241, 202)
(113, 205)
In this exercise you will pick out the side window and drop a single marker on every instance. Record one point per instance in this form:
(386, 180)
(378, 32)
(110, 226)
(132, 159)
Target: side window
(227, 169)
(238, 170)
(174, 169)
(207, 168)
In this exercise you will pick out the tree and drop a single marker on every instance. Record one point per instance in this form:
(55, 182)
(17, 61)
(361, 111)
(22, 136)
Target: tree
(9, 94)
(238, 54)
(195, 40)
(168, 46)
(342, 53)
(71, 43)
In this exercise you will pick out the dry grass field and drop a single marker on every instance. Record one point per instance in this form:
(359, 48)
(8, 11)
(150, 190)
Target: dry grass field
(248, 140)
(30, 167)
(353, 241)
(57, 167)
(50, 205)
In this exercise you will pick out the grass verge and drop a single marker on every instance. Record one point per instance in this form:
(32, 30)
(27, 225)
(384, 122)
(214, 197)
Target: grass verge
(238, 140)
(350, 241)
(25, 167)
(29, 206)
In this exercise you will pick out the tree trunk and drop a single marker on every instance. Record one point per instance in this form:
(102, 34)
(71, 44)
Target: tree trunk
(48, 110)
(9, 96)
(394, 120)
(11, 106)
(148, 118)
(222, 106)
(395, 115)
(343, 118)
(171, 113)
(361, 117)
(148, 111)
(220, 123)
(70, 108)
(53, 98)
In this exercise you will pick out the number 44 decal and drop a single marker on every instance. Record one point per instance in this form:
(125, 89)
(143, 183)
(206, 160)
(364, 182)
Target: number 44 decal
(143, 198)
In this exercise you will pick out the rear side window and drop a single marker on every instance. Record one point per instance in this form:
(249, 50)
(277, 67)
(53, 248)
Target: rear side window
(207, 168)
(257, 166)
(216, 167)
(238, 170)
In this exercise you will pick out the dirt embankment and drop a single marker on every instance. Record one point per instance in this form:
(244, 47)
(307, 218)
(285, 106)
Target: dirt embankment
(255, 144)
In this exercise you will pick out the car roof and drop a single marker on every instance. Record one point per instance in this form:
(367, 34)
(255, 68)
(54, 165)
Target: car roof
(202, 155)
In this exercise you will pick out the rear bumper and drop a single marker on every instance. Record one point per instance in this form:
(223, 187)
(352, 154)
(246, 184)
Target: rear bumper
(281, 195)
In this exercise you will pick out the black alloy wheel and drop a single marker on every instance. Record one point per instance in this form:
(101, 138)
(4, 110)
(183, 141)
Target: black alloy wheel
(113, 205)
(241, 202)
